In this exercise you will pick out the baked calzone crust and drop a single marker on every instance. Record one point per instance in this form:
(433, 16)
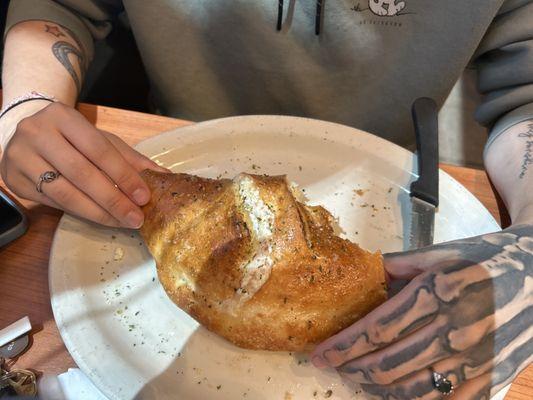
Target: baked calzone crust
(254, 265)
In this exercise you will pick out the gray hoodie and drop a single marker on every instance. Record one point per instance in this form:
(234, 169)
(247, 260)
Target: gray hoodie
(360, 63)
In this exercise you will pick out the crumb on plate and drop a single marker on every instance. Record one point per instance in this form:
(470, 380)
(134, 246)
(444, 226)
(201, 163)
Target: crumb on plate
(119, 254)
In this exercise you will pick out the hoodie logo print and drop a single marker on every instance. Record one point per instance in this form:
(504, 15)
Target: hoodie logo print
(387, 8)
(382, 8)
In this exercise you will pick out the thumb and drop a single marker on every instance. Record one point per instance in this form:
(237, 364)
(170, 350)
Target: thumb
(407, 265)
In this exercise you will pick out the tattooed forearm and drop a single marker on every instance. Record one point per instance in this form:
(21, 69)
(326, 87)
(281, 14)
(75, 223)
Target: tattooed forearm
(528, 154)
(61, 51)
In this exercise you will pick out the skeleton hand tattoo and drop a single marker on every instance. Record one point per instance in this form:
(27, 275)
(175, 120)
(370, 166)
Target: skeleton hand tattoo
(467, 313)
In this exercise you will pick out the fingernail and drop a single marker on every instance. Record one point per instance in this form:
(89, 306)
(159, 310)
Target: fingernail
(134, 219)
(319, 362)
(163, 169)
(160, 167)
(141, 196)
(333, 357)
(156, 167)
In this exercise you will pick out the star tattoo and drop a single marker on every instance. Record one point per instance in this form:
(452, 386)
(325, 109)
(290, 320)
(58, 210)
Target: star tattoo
(54, 30)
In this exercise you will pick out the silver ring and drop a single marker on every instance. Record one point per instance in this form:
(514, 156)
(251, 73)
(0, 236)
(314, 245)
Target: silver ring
(46, 177)
(443, 385)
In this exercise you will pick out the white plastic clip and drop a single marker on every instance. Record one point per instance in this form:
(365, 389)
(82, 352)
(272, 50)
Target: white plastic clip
(15, 330)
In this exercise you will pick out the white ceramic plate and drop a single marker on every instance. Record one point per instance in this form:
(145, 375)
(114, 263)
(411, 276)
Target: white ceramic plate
(133, 342)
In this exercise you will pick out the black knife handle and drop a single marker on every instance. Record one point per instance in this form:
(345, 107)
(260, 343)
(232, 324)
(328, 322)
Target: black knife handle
(425, 119)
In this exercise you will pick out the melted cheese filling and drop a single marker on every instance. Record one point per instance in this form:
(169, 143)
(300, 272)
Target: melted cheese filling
(257, 269)
(261, 216)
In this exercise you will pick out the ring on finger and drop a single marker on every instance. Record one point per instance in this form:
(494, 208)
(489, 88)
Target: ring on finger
(46, 177)
(441, 383)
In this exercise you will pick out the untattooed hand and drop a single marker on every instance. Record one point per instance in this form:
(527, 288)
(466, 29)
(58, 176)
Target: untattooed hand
(99, 177)
(467, 313)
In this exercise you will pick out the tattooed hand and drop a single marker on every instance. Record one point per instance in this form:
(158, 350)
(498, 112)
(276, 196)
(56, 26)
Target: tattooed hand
(467, 313)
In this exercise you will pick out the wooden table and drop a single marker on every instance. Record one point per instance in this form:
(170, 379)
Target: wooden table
(24, 263)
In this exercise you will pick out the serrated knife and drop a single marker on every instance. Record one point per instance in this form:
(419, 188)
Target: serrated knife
(425, 190)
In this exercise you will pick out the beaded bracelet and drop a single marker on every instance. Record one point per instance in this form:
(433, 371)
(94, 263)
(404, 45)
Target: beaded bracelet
(33, 95)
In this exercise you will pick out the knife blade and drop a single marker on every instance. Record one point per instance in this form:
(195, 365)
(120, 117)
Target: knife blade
(425, 190)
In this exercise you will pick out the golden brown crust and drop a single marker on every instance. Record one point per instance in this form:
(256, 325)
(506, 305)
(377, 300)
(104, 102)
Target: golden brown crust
(203, 240)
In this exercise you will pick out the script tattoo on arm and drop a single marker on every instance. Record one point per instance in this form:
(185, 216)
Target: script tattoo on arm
(528, 153)
(65, 52)
(470, 317)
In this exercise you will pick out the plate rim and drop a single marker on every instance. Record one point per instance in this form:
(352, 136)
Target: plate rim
(54, 273)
